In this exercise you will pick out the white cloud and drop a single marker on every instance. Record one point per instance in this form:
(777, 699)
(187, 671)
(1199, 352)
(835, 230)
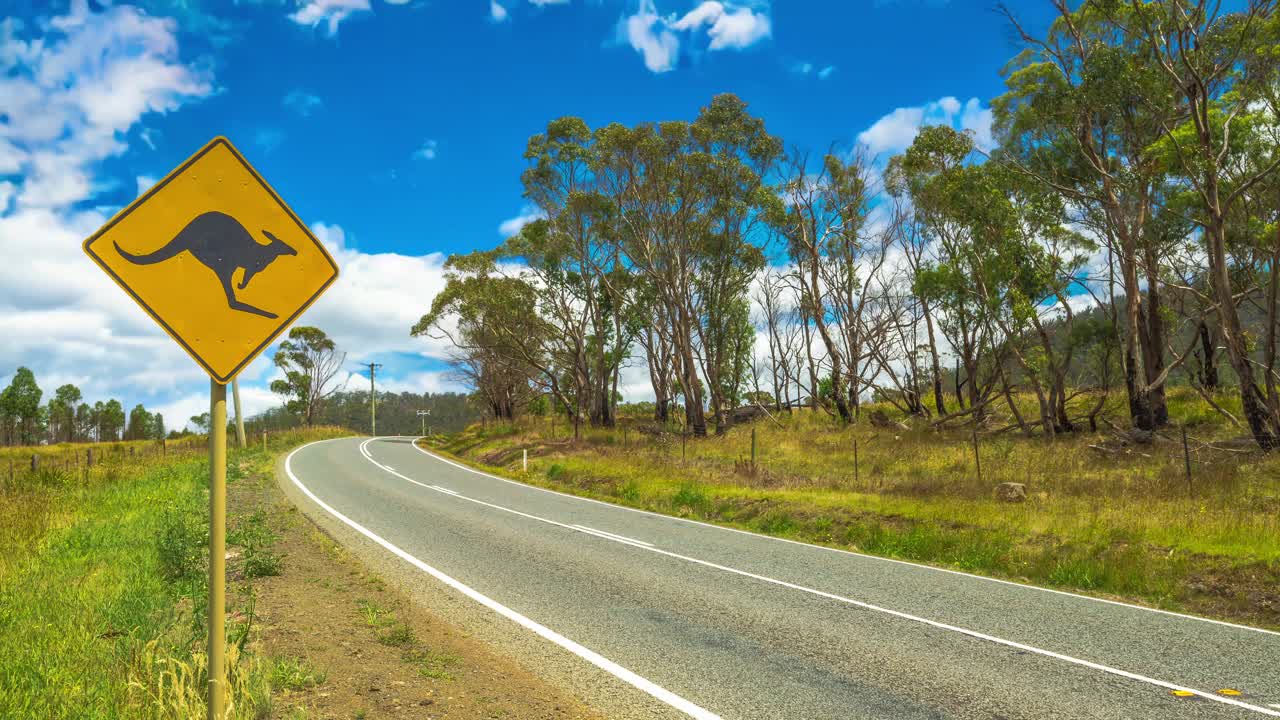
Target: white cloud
(647, 33)
(735, 28)
(302, 102)
(657, 37)
(894, 132)
(511, 226)
(428, 151)
(825, 72)
(497, 13)
(377, 298)
(329, 12)
(63, 317)
(145, 182)
(541, 3)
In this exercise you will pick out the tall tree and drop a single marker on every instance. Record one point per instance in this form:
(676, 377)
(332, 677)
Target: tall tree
(62, 413)
(23, 405)
(139, 426)
(310, 361)
(1083, 106)
(111, 421)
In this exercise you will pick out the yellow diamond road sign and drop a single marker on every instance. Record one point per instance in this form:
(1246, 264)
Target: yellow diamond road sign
(216, 257)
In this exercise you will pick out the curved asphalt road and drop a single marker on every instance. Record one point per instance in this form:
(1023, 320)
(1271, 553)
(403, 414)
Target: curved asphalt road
(708, 622)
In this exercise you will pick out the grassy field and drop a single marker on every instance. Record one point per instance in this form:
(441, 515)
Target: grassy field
(103, 574)
(1114, 520)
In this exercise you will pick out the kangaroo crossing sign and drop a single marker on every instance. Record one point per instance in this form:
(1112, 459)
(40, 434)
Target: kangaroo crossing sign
(216, 258)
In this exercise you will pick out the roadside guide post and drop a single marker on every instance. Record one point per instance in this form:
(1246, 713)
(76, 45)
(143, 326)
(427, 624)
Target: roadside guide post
(218, 260)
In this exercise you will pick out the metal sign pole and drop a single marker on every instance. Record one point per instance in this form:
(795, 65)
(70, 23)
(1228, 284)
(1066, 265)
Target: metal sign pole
(235, 394)
(217, 546)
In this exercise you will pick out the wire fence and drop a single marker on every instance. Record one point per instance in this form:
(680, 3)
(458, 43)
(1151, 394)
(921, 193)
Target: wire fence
(22, 467)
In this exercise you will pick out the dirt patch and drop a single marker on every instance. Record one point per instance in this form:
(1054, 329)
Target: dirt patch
(343, 644)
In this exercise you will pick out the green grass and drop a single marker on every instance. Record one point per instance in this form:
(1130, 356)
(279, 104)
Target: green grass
(1124, 524)
(103, 586)
(294, 674)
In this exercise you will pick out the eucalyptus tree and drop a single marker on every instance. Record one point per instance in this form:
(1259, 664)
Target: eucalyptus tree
(689, 198)
(503, 344)
(1083, 107)
(934, 174)
(21, 402)
(821, 218)
(111, 420)
(1221, 69)
(62, 413)
(914, 244)
(311, 362)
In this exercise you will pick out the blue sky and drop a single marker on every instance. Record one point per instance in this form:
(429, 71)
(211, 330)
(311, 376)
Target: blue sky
(397, 130)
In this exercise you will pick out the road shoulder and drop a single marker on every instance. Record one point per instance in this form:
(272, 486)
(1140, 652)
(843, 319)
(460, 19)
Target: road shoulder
(584, 688)
(345, 642)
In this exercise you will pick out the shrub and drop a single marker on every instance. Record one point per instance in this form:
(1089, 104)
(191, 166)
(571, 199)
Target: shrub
(181, 543)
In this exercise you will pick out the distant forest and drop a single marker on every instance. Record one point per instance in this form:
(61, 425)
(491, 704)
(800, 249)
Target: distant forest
(397, 413)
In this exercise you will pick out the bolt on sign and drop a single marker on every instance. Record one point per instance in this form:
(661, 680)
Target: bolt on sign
(215, 257)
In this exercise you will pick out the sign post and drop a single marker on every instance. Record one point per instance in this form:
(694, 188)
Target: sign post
(218, 260)
(217, 547)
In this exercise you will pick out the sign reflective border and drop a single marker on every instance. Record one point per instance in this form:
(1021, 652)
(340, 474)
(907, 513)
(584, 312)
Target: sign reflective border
(215, 257)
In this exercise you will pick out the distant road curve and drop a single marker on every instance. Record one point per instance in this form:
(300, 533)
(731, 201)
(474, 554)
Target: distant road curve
(707, 622)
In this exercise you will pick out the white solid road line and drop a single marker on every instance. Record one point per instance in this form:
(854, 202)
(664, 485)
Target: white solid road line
(601, 534)
(896, 561)
(1207, 695)
(610, 535)
(614, 669)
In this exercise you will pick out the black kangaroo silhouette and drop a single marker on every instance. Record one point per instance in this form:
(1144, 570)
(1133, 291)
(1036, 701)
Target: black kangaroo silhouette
(223, 245)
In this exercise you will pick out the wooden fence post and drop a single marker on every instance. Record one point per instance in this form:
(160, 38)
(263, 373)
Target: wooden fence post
(856, 481)
(35, 462)
(1186, 458)
(753, 448)
(977, 459)
(88, 460)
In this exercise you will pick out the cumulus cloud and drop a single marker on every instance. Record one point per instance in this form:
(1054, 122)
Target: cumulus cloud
(66, 319)
(894, 132)
(377, 298)
(726, 26)
(511, 226)
(329, 13)
(648, 34)
(497, 13)
(658, 37)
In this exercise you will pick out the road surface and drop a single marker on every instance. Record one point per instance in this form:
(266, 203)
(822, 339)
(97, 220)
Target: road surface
(649, 616)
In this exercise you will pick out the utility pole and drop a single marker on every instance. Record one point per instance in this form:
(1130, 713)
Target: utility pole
(373, 399)
(424, 414)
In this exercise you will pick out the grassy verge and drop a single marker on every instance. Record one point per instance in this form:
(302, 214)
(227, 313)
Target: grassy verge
(103, 583)
(1120, 521)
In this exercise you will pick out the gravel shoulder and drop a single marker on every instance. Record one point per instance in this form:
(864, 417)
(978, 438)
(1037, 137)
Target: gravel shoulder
(529, 677)
(378, 647)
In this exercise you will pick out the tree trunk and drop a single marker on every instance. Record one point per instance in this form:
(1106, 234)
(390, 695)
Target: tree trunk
(938, 400)
(1208, 358)
(1261, 422)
